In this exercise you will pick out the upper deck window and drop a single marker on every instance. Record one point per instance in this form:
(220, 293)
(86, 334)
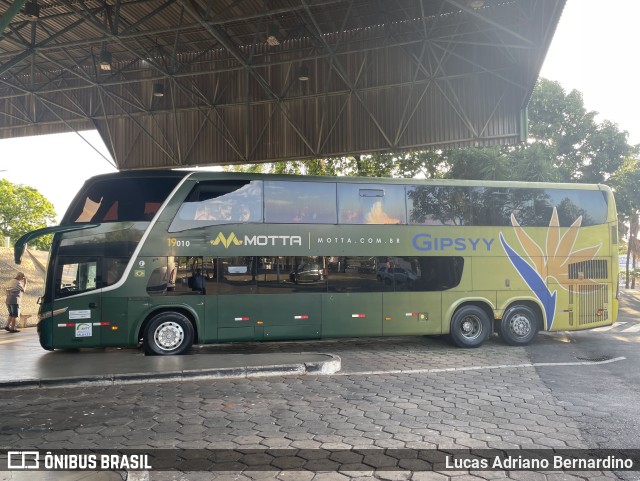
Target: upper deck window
(439, 205)
(534, 207)
(121, 199)
(491, 206)
(218, 202)
(300, 202)
(371, 204)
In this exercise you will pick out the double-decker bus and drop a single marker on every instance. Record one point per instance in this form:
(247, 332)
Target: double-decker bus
(172, 258)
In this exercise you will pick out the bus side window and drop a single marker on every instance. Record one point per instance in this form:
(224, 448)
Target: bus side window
(177, 277)
(113, 268)
(237, 275)
(438, 205)
(571, 204)
(300, 202)
(219, 202)
(75, 275)
(158, 283)
(371, 204)
(355, 274)
(420, 274)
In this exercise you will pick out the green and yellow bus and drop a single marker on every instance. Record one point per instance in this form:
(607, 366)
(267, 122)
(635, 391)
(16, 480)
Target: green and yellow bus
(167, 259)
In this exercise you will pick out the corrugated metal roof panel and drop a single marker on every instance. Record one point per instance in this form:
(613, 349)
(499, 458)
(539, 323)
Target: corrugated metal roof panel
(384, 76)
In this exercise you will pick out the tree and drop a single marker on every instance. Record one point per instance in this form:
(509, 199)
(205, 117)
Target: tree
(625, 184)
(23, 209)
(488, 163)
(422, 164)
(583, 150)
(533, 162)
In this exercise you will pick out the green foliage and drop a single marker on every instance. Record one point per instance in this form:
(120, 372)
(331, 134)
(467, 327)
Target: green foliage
(625, 183)
(23, 209)
(487, 164)
(582, 150)
(423, 164)
(533, 163)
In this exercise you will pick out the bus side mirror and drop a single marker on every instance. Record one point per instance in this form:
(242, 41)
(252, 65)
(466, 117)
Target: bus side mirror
(18, 252)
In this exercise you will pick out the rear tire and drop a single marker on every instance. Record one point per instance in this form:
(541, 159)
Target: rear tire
(519, 325)
(167, 334)
(470, 327)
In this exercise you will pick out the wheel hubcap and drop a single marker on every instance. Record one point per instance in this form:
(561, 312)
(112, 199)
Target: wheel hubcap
(471, 327)
(520, 325)
(169, 336)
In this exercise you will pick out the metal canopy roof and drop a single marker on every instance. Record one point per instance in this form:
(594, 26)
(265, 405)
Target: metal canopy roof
(383, 75)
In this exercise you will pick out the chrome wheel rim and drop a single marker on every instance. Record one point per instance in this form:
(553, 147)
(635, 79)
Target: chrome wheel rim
(520, 325)
(169, 336)
(471, 327)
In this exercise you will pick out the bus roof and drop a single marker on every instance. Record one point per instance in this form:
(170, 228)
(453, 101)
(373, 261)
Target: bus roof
(212, 175)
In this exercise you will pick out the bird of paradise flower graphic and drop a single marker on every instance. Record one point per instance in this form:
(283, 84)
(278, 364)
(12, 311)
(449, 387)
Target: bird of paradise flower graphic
(541, 266)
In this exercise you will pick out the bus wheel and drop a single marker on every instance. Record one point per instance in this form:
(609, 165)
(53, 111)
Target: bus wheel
(519, 325)
(168, 333)
(470, 327)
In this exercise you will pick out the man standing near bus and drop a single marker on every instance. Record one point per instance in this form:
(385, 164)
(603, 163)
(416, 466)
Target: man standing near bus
(14, 297)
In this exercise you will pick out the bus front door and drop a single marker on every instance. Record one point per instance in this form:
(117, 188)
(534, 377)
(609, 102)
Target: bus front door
(78, 297)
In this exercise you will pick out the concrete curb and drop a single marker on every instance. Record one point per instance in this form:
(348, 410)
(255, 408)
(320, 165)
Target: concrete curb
(332, 365)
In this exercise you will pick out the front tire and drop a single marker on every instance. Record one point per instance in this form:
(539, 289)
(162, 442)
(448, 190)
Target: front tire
(168, 333)
(519, 326)
(470, 327)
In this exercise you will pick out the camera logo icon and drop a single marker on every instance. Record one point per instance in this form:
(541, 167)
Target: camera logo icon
(23, 460)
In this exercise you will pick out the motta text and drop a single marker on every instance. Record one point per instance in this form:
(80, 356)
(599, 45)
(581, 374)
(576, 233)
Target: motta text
(358, 240)
(273, 240)
(256, 240)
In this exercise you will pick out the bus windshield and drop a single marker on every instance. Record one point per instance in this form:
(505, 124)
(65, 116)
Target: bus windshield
(117, 200)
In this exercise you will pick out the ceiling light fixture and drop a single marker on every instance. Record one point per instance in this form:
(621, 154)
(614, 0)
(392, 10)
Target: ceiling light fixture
(303, 74)
(476, 4)
(158, 90)
(272, 35)
(32, 10)
(105, 60)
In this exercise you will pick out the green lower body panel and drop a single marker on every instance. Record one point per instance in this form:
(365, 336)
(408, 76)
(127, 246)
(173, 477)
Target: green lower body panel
(351, 315)
(269, 317)
(411, 313)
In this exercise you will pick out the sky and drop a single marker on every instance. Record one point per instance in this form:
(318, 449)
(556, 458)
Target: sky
(593, 51)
